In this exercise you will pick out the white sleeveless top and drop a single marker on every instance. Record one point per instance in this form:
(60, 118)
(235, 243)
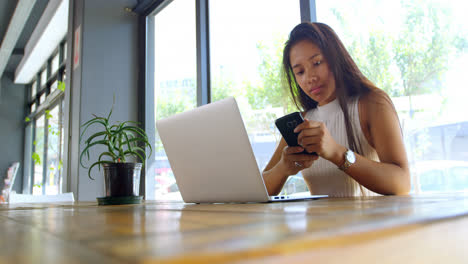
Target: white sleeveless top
(324, 177)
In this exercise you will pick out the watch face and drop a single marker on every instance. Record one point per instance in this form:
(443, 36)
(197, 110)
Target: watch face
(350, 156)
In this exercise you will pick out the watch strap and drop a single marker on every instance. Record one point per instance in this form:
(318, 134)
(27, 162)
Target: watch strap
(346, 164)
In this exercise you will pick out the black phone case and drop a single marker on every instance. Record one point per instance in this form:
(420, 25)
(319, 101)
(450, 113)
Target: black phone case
(286, 125)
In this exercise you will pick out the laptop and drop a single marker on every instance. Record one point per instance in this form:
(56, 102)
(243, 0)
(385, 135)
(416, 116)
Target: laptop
(211, 157)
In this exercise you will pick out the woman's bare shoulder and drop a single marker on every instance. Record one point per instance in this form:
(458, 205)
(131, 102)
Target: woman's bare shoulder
(374, 107)
(376, 101)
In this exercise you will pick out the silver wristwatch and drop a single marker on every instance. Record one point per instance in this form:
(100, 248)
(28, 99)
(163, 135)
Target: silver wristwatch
(349, 159)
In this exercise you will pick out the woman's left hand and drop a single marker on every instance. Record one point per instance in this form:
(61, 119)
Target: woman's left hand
(315, 137)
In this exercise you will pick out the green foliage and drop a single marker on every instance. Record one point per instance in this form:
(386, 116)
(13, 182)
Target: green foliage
(167, 108)
(53, 130)
(122, 140)
(61, 86)
(273, 91)
(407, 62)
(48, 115)
(421, 48)
(375, 60)
(36, 158)
(222, 88)
(27, 119)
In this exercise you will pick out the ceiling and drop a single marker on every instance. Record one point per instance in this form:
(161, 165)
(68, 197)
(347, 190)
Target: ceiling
(7, 8)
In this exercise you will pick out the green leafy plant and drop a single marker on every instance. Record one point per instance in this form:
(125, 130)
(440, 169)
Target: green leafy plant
(48, 115)
(36, 158)
(121, 140)
(61, 86)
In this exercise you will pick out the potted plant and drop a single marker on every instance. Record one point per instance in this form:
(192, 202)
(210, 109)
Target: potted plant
(125, 145)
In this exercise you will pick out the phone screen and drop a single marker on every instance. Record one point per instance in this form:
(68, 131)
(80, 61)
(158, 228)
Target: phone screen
(286, 125)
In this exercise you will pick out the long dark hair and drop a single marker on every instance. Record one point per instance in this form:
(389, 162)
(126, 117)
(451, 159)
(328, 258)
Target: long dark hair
(349, 80)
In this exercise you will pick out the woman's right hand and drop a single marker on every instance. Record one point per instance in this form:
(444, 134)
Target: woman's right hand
(286, 161)
(293, 160)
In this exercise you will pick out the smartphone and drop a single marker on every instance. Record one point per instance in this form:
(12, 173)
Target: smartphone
(286, 125)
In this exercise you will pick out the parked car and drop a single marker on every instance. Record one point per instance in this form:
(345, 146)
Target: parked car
(441, 175)
(168, 191)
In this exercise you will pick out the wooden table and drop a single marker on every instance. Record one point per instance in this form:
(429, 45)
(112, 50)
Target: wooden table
(384, 229)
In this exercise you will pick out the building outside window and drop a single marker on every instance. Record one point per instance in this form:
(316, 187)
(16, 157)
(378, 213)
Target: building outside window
(414, 50)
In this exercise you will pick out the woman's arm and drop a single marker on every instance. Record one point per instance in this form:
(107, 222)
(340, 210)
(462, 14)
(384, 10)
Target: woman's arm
(283, 164)
(391, 174)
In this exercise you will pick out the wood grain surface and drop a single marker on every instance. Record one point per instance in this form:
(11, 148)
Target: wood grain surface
(382, 229)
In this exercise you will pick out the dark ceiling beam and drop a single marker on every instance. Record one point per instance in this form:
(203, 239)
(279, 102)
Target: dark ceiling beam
(9, 75)
(17, 52)
(145, 7)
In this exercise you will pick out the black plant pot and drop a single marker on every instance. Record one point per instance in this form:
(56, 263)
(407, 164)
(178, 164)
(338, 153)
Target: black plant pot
(122, 183)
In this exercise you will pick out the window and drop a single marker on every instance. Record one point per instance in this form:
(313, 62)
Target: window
(242, 39)
(46, 115)
(54, 161)
(43, 79)
(246, 55)
(174, 81)
(33, 91)
(42, 98)
(415, 50)
(55, 63)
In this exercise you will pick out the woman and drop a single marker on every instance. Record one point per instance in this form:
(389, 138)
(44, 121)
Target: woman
(350, 123)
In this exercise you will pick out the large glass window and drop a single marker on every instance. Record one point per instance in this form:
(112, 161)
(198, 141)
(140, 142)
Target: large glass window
(245, 45)
(247, 38)
(416, 51)
(175, 81)
(46, 115)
